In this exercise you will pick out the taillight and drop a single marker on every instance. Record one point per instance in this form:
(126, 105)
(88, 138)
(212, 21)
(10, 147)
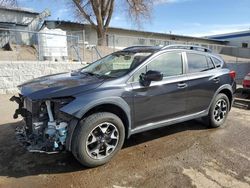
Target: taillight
(232, 74)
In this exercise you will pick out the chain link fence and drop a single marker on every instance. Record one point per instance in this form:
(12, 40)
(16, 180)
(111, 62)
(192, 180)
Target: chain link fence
(120, 42)
(72, 46)
(22, 45)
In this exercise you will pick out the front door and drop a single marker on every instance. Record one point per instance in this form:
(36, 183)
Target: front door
(161, 100)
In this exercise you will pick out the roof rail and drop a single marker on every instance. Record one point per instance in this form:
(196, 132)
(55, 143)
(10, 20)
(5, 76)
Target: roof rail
(131, 47)
(188, 47)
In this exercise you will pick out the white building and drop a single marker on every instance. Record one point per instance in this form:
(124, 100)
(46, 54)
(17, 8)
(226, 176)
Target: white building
(16, 18)
(239, 39)
(13, 20)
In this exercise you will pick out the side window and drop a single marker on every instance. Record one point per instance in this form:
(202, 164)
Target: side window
(197, 63)
(217, 62)
(169, 64)
(210, 63)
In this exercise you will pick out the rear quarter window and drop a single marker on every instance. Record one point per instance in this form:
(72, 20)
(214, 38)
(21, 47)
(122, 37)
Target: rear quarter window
(210, 63)
(198, 63)
(217, 62)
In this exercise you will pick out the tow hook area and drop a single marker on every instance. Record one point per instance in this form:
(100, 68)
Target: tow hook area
(30, 143)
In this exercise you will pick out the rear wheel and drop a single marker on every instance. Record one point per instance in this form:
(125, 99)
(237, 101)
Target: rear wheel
(98, 138)
(219, 110)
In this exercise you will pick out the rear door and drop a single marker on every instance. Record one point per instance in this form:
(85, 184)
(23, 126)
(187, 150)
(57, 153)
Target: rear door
(164, 99)
(203, 81)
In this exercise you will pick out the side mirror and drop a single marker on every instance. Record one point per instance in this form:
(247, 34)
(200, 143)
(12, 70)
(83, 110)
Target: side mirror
(146, 79)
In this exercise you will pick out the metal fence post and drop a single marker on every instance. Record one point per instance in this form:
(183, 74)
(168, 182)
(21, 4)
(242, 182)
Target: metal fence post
(113, 42)
(83, 45)
(38, 46)
(17, 47)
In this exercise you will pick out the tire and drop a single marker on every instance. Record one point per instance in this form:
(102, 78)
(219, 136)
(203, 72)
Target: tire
(218, 111)
(98, 138)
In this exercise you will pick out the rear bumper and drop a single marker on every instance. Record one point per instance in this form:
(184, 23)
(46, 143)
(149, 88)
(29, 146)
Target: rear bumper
(246, 84)
(246, 87)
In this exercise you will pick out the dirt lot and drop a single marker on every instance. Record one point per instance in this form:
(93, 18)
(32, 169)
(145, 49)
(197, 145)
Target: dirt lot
(181, 155)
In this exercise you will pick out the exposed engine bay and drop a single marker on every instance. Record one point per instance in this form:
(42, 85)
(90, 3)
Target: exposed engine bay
(46, 127)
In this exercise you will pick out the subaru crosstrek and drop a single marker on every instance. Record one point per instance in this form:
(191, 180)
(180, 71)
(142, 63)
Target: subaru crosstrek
(92, 110)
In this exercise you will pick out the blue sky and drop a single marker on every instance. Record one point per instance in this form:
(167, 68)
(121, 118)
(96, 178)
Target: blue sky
(184, 17)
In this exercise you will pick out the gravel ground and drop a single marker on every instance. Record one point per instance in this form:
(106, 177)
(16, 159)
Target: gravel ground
(181, 155)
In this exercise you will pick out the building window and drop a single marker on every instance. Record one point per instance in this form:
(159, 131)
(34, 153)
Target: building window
(244, 45)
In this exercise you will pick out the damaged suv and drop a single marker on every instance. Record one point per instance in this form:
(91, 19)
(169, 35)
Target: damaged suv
(92, 110)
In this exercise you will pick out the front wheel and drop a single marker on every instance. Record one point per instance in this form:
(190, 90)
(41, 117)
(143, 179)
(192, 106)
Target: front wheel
(219, 110)
(98, 138)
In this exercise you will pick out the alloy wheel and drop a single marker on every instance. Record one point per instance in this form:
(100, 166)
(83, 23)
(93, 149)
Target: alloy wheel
(102, 140)
(220, 110)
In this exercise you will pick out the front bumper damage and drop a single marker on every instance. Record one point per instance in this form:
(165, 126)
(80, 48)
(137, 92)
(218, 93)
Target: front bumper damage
(45, 128)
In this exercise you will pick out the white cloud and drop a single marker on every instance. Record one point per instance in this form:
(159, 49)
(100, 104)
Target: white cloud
(117, 18)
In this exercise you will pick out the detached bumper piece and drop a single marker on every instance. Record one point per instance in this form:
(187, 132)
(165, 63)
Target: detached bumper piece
(20, 109)
(45, 129)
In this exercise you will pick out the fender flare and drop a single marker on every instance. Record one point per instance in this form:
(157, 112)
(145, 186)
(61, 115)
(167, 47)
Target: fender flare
(226, 86)
(121, 103)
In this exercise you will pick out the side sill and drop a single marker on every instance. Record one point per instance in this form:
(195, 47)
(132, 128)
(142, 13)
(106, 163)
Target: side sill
(167, 122)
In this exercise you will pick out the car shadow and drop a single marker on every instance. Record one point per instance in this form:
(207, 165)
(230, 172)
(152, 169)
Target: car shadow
(16, 162)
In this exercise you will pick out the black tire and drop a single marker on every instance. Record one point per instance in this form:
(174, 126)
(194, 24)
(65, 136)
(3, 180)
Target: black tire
(82, 135)
(218, 120)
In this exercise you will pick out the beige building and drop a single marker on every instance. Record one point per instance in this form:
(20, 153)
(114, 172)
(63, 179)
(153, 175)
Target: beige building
(120, 38)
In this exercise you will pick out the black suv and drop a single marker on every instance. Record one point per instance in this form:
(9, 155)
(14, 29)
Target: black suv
(92, 110)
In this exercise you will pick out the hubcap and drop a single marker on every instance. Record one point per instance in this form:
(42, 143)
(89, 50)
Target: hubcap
(220, 110)
(102, 140)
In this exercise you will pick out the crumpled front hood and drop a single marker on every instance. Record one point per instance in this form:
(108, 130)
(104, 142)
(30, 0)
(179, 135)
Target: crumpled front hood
(59, 85)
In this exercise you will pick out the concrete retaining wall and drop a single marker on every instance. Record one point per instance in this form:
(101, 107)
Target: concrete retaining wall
(236, 52)
(15, 73)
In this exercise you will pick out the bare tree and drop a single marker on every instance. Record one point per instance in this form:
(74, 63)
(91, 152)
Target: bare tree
(99, 13)
(139, 10)
(8, 3)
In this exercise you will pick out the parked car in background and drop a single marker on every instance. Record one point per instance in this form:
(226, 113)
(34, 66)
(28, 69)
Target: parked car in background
(92, 110)
(246, 83)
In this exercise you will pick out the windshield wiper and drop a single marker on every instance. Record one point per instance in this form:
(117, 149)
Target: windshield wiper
(90, 73)
(97, 75)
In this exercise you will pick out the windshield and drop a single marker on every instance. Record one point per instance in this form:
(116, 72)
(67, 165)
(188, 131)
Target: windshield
(116, 64)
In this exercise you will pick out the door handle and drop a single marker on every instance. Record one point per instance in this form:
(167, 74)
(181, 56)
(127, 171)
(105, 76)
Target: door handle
(182, 85)
(216, 80)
